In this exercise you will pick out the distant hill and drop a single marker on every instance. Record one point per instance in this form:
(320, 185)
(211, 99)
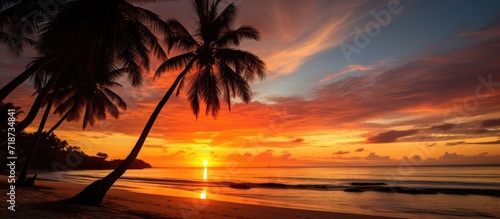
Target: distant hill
(96, 163)
(57, 155)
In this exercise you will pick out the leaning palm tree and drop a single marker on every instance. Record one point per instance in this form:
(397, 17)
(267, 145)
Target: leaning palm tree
(115, 33)
(77, 96)
(216, 69)
(21, 22)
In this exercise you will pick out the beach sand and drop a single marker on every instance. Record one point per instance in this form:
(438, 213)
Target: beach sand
(46, 201)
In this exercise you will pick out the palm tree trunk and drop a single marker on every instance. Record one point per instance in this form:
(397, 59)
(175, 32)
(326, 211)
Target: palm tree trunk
(7, 89)
(36, 105)
(12, 85)
(34, 108)
(21, 180)
(94, 193)
(44, 137)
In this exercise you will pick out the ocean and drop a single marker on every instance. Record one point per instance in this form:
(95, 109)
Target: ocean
(416, 192)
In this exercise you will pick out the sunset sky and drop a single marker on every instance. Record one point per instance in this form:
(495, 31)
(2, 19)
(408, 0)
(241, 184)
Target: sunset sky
(348, 83)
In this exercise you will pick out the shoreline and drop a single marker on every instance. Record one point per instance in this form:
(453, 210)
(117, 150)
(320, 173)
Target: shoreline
(46, 201)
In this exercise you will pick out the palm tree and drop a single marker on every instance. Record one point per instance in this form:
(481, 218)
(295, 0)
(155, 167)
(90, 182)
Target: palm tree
(20, 24)
(20, 21)
(74, 40)
(217, 70)
(76, 96)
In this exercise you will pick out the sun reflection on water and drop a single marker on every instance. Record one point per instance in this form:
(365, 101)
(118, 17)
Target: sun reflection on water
(203, 194)
(205, 163)
(205, 174)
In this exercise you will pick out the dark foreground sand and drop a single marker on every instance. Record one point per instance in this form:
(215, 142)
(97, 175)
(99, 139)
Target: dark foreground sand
(46, 202)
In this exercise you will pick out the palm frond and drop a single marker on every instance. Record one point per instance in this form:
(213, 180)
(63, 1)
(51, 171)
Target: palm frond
(178, 37)
(234, 37)
(146, 17)
(87, 115)
(186, 70)
(108, 106)
(15, 43)
(238, 84)
(224, 21)
(193, 95)
(115, 98)
(137, 43)
(253, 65)
(174, 63)
(142, 21)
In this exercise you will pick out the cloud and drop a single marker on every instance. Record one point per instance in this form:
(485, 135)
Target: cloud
(266, 157)
(444, 127)
(357, 68)
(430, 145)
(180, 155)
(455, 143)
(430, 89)
(294, 31)
(390, 136)
(490, 123)
(154, 146)
(451, 156)
(370, 157)
(463, 142)
(486, 142)
(359, 150)
(483, 131)
(455, 159)
(373, 156)
(415, 158)
(291, 30)
(213, 154)
(340, 152)
(239, 157)
(489, 31)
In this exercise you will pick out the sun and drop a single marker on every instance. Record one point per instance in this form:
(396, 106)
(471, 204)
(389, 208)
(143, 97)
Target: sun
(205, 163)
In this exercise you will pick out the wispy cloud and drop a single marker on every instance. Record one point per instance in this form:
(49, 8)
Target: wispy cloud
(490, 123)
(374, 68)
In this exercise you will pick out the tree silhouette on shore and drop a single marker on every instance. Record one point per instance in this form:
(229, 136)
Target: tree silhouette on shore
(216, 69)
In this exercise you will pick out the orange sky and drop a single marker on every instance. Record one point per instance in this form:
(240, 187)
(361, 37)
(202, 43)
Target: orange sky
(431, 106)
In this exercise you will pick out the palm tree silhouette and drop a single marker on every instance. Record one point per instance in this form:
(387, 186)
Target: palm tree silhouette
(73, 98)
(20, 22)
(20, 25)
(116, 33)
(217, 70)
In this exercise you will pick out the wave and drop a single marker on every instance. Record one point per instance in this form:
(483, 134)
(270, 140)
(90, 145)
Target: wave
(346, 185)
(355, 186)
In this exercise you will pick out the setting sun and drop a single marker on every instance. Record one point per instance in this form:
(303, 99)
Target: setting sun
(205, 163)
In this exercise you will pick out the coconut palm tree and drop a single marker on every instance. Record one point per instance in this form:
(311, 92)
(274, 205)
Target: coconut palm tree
(91, 98)
(74, 40)
(21, 22)
(217, 70)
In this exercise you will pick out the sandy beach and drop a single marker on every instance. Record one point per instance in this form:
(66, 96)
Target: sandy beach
(46, 201)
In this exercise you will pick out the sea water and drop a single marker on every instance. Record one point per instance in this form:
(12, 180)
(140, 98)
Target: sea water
(322, 188)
